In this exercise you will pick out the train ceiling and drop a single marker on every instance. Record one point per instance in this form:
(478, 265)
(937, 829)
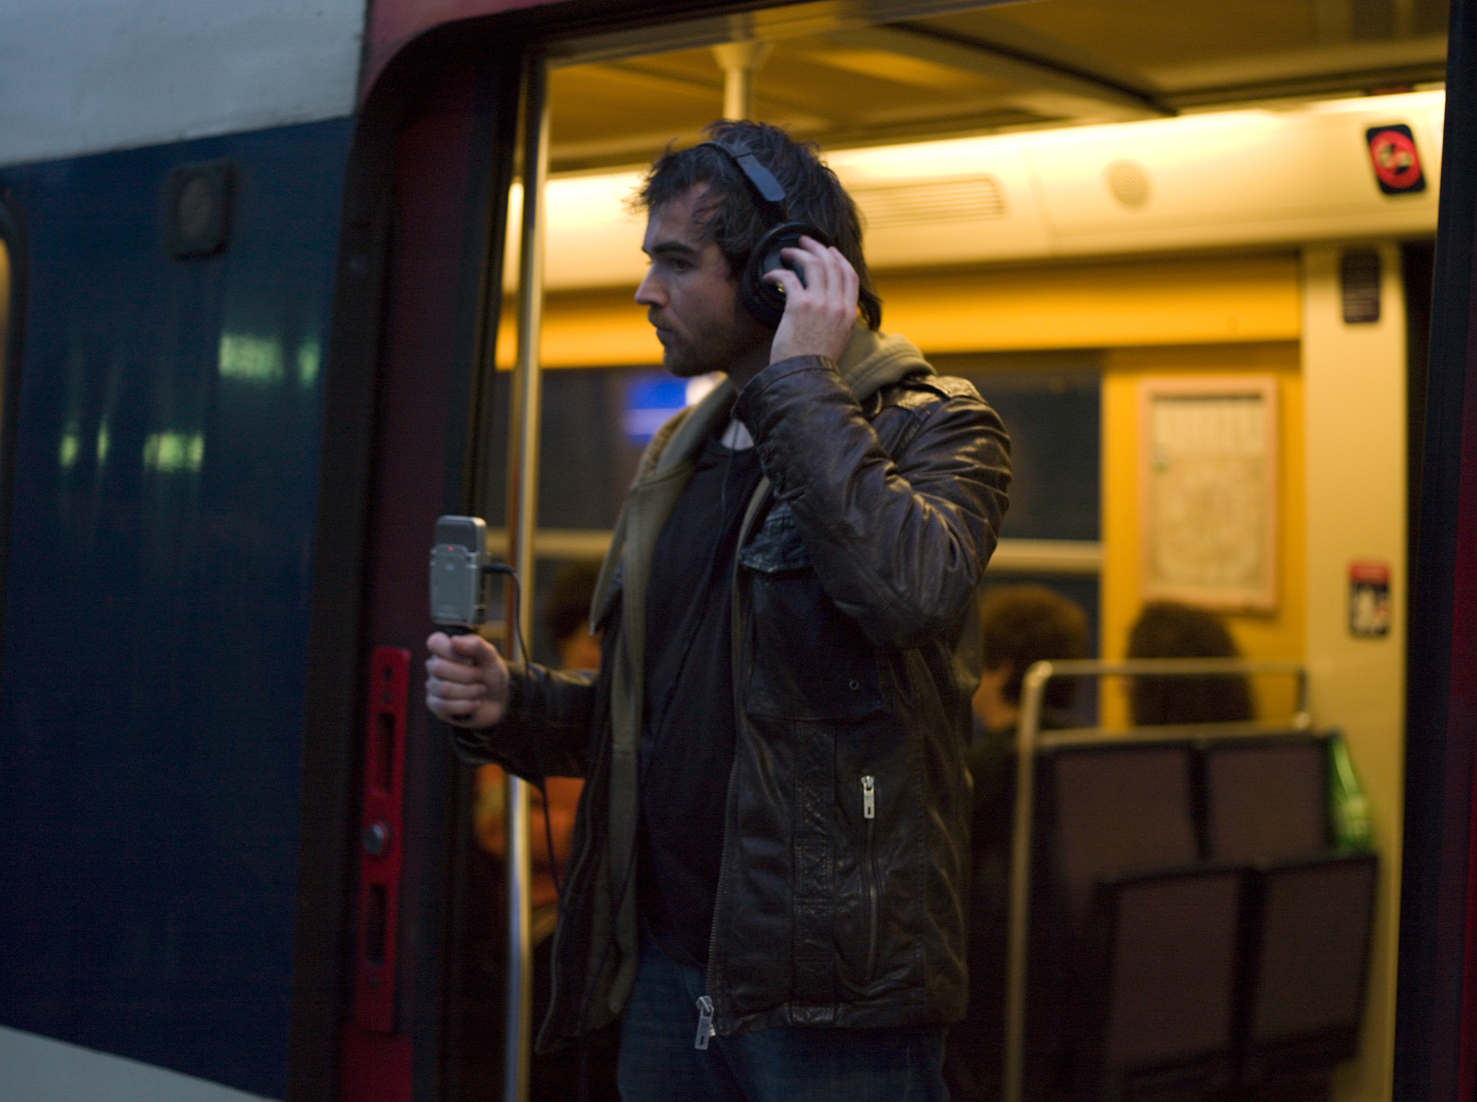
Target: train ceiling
(1006, 67)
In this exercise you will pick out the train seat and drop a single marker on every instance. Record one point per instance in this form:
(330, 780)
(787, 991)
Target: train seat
(1102, 809)
(1191, 929)
(1265, 798)
(1307, 952)
(1157, 1014)
(1107, 808)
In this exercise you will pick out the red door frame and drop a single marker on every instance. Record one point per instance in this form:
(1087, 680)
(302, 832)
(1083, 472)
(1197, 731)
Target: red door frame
(423, 225)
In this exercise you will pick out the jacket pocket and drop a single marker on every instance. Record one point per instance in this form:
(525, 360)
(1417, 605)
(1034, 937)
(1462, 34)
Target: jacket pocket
(777, 545)
(811, 661)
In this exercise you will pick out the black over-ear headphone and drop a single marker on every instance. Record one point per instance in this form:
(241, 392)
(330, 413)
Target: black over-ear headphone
(762, 299)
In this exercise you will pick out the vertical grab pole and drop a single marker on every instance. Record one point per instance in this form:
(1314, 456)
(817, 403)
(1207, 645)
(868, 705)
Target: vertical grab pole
(1032, 689)
(523, 448)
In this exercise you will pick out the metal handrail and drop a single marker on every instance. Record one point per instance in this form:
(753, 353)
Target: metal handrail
(1029, 738)
(523, 452)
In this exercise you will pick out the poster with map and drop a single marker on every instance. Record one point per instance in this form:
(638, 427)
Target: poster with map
(1208, 480)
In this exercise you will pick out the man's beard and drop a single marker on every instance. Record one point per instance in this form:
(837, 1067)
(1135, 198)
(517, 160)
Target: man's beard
(712, 347)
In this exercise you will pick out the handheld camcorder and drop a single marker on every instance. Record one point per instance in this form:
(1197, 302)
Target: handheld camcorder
(460, 573)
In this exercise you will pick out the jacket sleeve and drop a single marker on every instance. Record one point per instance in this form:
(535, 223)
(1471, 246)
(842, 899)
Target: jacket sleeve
(898, 542)
(546, 730)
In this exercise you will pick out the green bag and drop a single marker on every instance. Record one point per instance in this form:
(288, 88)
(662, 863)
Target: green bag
(1348, 808)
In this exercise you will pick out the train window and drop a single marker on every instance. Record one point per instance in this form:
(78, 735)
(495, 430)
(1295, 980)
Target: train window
(1051, 406)
(597, 420)
(589, 453)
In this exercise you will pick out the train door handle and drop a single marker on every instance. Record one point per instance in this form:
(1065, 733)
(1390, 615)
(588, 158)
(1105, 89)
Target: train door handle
(374, 1062)
(382, 855)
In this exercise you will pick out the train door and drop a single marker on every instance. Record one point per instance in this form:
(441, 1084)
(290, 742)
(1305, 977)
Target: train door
(429, 219)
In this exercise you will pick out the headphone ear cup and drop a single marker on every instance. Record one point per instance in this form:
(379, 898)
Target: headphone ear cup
(762, 299)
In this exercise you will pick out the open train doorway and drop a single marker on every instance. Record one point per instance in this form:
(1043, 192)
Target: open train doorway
(1062, 207)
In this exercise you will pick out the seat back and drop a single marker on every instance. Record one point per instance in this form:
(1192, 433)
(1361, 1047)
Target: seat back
(1266, 799)
(1308, 950)
(1160, 958)
(1112, 808)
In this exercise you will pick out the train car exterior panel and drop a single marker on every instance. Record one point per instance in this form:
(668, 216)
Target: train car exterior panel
(85, 76)
(160, 548)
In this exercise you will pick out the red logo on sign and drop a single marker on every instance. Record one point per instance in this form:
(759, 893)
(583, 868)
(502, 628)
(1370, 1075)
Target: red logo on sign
(1396, 162)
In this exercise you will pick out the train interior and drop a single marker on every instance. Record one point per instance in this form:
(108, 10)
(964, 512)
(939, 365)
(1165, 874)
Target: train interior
(1185, 250)
(1135, 229)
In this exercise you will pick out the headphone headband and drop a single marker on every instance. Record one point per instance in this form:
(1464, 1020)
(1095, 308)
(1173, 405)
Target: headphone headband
(769, 188)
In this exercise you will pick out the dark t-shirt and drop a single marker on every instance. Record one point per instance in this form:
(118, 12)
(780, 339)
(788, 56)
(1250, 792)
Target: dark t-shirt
(687, 740)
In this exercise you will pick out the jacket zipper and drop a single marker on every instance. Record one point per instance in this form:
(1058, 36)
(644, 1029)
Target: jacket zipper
(869, 869)
(704, 1022)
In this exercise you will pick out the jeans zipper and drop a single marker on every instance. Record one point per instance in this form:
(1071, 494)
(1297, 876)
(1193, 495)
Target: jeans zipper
(869, 868)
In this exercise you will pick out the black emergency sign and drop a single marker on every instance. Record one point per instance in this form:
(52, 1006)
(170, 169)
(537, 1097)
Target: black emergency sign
(1397, 165)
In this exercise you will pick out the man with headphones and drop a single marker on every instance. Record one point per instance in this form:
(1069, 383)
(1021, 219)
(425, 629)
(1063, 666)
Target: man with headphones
(770, 861)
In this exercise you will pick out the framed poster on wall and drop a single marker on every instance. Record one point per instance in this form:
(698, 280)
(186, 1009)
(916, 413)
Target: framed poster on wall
(1208, 490)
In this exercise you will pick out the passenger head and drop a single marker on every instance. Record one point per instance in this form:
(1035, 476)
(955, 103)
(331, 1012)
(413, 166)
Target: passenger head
(734, 216)
(568, 615)
(1026, 624)
(1168, 629)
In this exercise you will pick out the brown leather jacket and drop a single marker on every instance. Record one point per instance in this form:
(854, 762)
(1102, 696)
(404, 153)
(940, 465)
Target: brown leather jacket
(842, 893)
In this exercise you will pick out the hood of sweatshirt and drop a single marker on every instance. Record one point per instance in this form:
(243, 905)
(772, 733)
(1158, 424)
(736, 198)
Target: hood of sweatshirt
(873, 360)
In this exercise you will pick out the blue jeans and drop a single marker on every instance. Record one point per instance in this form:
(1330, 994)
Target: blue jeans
(659, 1061)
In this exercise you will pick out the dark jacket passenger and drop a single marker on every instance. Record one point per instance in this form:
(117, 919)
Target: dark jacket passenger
(858, 560)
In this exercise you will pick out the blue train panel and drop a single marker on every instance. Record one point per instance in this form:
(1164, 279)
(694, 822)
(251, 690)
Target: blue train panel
(151, 691)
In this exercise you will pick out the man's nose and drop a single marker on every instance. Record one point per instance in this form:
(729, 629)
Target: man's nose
(650, 292)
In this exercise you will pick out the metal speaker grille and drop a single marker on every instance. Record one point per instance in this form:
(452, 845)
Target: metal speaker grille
(968, 199)
(1359, 286)
(1128, 182)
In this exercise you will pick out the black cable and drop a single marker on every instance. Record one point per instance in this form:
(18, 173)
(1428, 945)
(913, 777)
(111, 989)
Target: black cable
(540, 784)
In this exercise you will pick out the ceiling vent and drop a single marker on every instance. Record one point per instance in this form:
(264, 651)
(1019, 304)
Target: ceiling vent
(965, 199)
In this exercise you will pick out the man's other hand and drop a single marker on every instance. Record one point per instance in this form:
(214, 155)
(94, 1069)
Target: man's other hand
(466, 680)
(821, 312)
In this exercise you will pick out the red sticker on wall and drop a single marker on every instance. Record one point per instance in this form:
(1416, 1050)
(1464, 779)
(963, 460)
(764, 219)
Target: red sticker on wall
(1369, 599)
(1397, 165)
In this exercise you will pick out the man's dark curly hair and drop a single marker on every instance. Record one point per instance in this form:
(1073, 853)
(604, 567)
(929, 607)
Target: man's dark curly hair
(1168, 629)
(1026, 624)
(735, 217)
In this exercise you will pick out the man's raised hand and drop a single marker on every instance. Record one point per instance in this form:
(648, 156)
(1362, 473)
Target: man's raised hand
(821, 312)
(466, 680)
